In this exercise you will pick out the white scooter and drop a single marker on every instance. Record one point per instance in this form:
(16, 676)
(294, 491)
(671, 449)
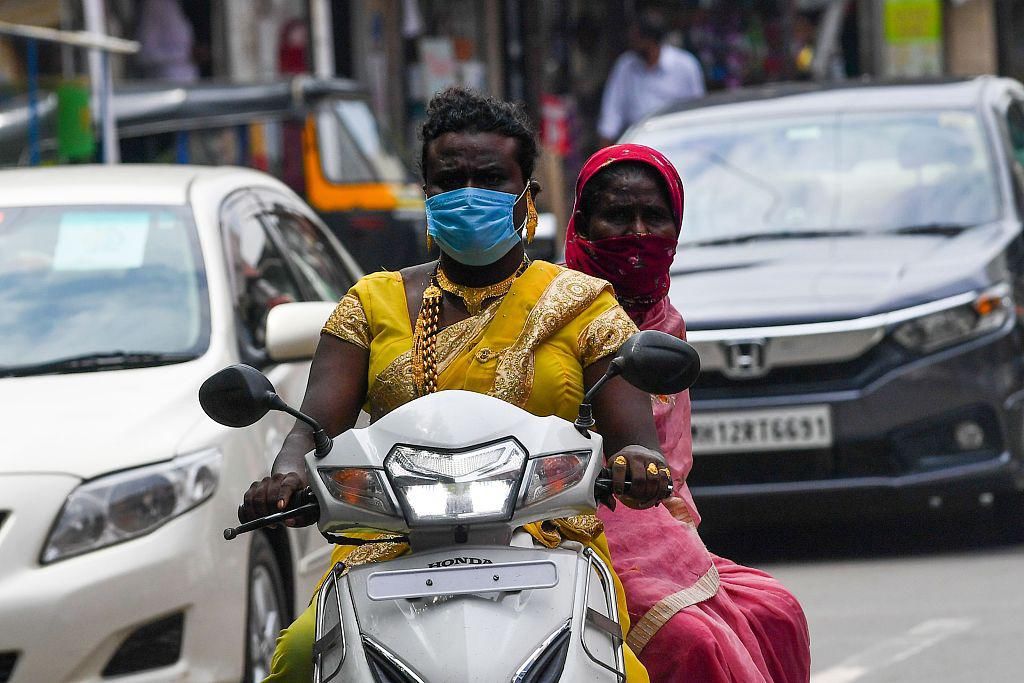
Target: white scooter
(457, 474)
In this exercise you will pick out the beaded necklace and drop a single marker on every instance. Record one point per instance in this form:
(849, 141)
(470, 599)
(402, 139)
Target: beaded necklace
(424, 337)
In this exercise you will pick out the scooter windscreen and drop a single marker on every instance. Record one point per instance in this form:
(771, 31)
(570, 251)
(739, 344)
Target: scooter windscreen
(455, 458)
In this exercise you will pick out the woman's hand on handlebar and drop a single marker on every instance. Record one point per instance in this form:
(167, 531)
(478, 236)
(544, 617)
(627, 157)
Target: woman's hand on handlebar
(650, 480)
(274, 494)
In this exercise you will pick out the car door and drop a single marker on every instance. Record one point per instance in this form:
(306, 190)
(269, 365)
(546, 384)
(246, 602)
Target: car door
(322, 271)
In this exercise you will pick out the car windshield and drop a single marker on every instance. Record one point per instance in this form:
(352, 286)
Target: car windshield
(99, 287)
(835, 173)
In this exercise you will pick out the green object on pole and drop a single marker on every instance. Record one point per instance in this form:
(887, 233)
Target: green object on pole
(75, 139)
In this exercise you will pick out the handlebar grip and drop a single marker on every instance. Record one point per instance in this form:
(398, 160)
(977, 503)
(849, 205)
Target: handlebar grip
(603, 485)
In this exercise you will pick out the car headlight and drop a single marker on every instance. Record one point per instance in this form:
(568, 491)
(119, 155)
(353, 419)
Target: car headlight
(552, 474)
(478, 485)
(130, 504)
(989, 311)
(359, 487)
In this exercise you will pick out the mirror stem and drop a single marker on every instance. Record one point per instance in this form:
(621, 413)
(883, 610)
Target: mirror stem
(321, 441)
(585, 417)
(585, 420)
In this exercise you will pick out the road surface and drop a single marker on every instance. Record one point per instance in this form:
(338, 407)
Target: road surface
(937, 602)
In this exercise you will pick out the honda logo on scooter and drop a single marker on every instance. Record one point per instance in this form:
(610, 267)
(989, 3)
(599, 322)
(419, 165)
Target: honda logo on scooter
(460, 560)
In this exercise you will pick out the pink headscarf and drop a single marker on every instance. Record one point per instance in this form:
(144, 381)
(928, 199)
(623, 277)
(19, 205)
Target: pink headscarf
(637, 265)
(671, 413)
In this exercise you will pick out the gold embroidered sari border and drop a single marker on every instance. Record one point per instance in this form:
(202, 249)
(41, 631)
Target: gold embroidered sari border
(644, 630)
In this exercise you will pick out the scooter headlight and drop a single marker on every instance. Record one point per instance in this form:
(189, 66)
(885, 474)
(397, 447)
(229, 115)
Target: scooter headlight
(478, 485)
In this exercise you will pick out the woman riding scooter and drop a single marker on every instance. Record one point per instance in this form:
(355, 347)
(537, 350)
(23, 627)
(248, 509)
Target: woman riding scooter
(482, 318)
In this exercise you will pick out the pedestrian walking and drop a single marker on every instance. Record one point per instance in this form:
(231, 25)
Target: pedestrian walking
(646, 77)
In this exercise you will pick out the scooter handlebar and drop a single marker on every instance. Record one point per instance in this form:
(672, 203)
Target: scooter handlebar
(603, 486)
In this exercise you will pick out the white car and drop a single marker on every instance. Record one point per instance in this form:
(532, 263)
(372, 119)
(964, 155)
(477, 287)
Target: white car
(123, 288)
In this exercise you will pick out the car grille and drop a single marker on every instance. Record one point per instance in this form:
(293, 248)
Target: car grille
(7, 662)
(802, 379)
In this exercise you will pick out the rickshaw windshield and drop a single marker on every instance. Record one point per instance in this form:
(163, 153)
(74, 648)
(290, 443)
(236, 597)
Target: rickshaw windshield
(353, 148)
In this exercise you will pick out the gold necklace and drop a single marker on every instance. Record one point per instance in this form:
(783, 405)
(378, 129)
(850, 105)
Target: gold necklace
(424, 339)
(474, 297)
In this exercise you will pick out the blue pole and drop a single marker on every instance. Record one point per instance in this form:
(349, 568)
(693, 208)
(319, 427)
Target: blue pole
(181, 147)
(34, 156)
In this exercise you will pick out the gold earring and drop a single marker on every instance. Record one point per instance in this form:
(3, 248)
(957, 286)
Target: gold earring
(531, 217)
(430, 241)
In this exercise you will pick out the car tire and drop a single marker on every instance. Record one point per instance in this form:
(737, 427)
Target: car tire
(267, 609)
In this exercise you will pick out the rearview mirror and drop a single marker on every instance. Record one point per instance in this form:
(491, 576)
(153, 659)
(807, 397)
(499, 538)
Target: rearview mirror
(237, 396)
(658, 363)
(653, 362)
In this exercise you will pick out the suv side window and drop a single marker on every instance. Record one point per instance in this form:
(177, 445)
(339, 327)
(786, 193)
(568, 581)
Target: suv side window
(260, 274)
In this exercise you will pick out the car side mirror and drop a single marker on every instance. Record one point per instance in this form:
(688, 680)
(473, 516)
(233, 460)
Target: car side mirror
(293, 329)
(654, 362)
(237, 396)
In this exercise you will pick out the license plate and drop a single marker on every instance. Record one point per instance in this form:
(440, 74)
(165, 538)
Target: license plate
(775, 429)
(487, 578)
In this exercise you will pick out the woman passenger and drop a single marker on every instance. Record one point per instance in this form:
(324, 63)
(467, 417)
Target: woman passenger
(695, 616)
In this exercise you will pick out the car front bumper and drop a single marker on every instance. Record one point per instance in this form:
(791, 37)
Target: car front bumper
(65, 621)
(891, 452)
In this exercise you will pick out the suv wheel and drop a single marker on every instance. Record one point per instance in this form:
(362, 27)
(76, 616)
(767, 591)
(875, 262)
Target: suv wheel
(267, 612)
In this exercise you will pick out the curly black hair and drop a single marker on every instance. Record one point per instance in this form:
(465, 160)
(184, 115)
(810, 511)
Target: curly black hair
(457, 110)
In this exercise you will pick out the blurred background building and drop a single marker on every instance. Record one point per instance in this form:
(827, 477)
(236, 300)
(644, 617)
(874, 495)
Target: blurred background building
(552, 55)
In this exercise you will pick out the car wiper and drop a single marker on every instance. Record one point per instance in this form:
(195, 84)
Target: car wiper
(946, 229)
(91, 362)
(765, 236)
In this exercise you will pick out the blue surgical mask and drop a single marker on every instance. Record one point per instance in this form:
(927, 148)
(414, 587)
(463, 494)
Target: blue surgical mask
(472, 225)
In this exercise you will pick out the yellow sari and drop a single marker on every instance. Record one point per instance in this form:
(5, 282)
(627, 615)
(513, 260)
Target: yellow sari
(528, 348)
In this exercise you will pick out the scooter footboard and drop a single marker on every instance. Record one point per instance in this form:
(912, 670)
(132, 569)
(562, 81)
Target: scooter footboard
(505, 613)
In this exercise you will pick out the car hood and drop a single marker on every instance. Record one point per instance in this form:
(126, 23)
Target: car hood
(87, 424)
(833, 278)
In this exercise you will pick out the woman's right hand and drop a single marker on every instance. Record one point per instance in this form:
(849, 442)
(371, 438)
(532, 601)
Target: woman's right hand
(274, 494)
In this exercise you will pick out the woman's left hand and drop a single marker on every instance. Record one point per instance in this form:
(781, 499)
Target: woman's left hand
(650, 478)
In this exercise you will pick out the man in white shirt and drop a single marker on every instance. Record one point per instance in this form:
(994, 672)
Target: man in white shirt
(647, 76)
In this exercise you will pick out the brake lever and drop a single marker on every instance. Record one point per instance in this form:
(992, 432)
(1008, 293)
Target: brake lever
(309, 505)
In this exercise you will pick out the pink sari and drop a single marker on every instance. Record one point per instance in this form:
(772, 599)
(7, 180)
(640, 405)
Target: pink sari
(695, 616)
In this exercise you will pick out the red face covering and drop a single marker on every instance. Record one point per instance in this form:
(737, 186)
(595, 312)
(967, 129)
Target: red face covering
(636, 265)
